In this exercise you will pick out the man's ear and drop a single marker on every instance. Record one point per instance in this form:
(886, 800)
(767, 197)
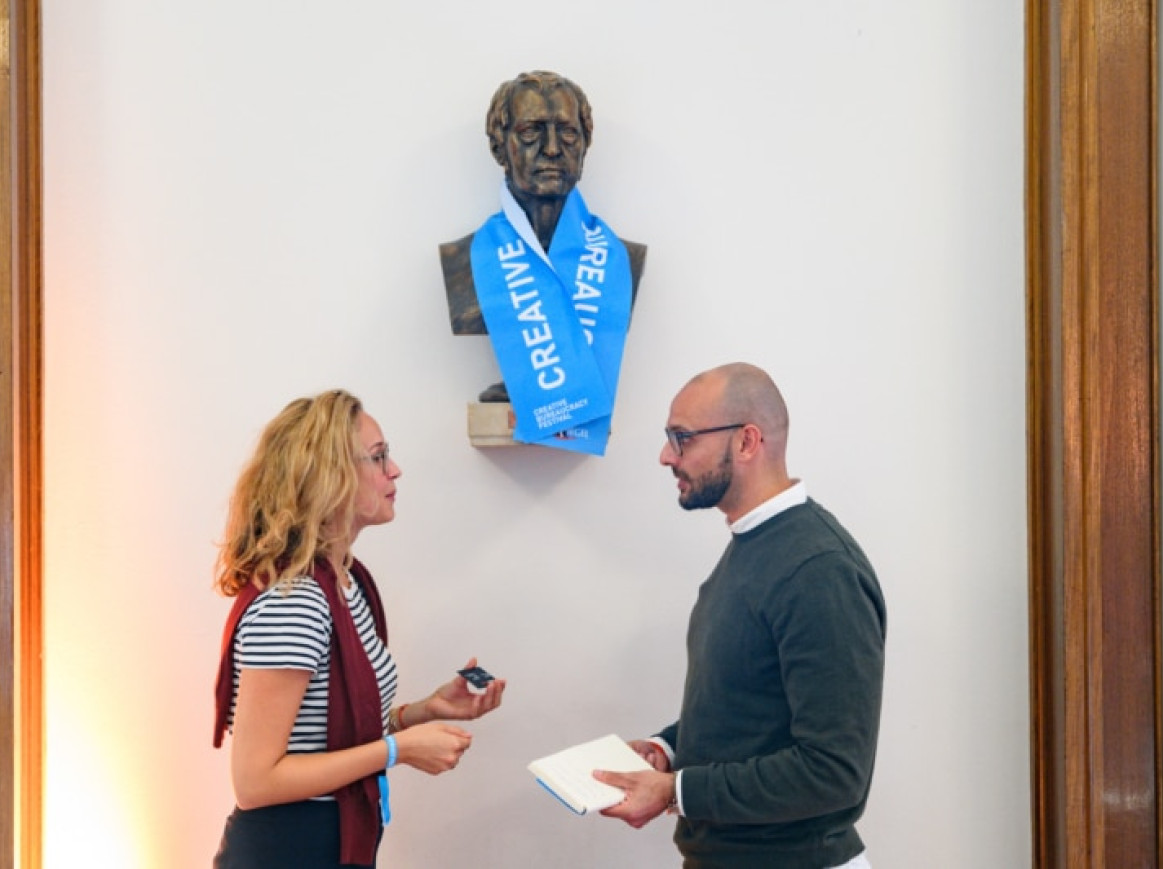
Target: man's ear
(497, 149)
(751, 442)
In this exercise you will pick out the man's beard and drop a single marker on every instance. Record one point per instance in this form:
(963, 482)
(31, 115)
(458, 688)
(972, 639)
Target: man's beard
(709, 489)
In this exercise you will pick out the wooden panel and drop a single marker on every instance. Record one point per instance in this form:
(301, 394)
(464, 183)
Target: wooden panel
(8, 681)
(21, 473)
(1093, 432)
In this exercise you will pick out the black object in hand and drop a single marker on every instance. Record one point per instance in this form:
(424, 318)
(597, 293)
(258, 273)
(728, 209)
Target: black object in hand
(477, 677)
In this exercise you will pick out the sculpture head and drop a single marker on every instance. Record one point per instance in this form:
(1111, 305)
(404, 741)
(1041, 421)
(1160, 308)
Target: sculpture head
(539, 127)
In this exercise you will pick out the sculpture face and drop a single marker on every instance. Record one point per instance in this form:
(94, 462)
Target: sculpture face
(544, 145)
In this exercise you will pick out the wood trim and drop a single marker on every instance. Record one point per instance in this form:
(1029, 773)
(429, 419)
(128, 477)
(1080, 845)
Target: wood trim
(21, 451)
(8, 679)
(1093, 414)
(1043, 406)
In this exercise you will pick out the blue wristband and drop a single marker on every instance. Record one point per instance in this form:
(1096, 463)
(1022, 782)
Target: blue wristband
(392, 750)
(385, 812)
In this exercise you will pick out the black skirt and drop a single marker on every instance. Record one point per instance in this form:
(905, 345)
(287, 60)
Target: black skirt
(304, 835)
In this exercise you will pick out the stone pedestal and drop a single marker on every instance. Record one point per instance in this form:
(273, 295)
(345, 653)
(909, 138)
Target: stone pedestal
(490, 424)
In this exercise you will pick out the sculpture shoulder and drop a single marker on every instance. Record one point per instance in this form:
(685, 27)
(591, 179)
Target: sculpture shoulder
(464, 310)
(457, 254)
(637, 252)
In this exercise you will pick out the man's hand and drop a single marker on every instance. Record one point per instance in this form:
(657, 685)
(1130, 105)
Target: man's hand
(652, 754)
(648, 795)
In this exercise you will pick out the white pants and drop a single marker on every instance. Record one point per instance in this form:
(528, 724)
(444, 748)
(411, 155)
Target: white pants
(857, 862)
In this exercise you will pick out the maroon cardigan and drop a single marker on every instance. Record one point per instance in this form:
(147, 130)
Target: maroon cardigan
(354, 714)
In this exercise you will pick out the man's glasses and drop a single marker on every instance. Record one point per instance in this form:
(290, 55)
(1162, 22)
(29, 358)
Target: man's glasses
(677, 437)
(379, 458)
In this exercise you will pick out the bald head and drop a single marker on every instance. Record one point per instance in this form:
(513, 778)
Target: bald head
(727, 440)
(746, 393)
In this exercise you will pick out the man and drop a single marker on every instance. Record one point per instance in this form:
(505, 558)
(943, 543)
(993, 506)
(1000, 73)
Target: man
(539, 127)
(770, 761)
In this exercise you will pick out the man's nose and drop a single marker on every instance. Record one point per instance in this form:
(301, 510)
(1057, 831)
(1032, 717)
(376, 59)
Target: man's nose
(552, 142)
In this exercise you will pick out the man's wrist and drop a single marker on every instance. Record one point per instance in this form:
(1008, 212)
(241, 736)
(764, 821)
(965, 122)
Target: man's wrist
(674, 805)
(664, 747)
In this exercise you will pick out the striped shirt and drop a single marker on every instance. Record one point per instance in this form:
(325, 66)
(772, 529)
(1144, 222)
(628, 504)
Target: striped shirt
(290, 628)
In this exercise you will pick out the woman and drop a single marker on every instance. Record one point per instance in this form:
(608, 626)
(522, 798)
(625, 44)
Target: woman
(306, 683)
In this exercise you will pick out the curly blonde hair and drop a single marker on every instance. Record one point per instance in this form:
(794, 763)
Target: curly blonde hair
(295, 499)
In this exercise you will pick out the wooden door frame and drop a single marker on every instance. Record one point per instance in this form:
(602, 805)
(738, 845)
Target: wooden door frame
(1093, 433)
(21, 417)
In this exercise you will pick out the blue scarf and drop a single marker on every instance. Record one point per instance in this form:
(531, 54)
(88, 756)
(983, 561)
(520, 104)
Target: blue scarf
(557, 321)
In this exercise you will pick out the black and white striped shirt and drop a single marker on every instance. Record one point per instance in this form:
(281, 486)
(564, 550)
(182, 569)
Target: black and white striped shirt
(290, 628)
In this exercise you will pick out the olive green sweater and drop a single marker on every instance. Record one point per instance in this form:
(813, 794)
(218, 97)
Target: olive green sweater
(777, 735)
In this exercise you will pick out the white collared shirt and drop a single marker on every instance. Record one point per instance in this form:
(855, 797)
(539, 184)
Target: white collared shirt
(791, 497)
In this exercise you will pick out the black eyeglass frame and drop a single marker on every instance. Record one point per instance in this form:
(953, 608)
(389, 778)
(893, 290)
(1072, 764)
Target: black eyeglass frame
(677, 437)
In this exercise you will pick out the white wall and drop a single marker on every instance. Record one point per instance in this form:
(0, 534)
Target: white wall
(243, 202)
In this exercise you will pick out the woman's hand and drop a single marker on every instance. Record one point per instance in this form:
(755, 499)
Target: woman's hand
(453, 701)
(433, 748)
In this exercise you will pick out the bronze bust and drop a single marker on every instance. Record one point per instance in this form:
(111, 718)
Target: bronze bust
(539, 127)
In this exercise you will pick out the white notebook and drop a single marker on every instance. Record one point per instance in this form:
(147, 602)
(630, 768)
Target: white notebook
(568, 774)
